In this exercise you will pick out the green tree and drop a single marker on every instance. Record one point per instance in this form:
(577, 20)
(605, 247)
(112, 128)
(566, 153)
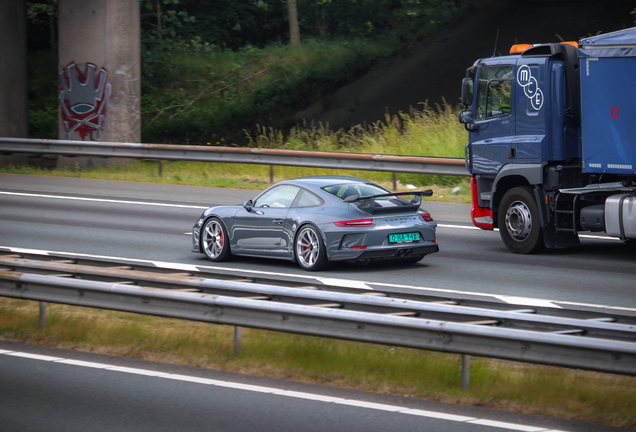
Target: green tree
(43, 15)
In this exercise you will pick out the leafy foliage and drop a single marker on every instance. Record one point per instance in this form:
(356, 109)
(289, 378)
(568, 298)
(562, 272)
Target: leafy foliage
(212, 97)
(210, 71)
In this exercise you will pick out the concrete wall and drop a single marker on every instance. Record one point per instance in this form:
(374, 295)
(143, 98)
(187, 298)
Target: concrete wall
(13, 74)
(99, 72)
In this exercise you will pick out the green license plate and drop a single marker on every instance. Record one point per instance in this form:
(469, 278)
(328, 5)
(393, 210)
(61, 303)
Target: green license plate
(404, 238)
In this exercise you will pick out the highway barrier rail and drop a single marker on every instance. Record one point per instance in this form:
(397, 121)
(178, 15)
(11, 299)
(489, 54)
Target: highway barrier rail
(242, 155)
(568, 338)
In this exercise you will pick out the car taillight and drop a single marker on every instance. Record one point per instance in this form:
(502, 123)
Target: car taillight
(427, 217)
(355, 223)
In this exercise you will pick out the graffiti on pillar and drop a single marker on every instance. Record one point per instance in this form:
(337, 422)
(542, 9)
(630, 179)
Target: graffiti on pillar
(85, 92)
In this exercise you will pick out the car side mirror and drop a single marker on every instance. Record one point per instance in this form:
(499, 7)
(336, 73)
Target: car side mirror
(247, 205)
(467, 92)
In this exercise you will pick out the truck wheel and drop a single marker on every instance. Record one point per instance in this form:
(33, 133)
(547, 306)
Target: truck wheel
(519, 224)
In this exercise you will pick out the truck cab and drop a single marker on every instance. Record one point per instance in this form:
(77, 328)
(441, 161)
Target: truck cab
(549, 136)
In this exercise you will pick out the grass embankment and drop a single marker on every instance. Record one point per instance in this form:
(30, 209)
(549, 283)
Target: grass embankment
(424, 132)
(509, 386)
(203, 96)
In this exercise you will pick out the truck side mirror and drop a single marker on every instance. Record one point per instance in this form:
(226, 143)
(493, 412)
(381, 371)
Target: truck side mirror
(465, 116)
(467, 92)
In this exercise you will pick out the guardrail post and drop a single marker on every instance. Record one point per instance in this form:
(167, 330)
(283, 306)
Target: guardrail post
(271, 174)
(465, 372)
(394, 182)
(42, 321)
(237, 341)
(160, 168)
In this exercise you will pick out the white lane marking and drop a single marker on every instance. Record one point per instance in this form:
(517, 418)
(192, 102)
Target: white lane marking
(286, 393)
(458, 226)
(175, 266)
(438, 415)
(33, 356)
(469, 227)
(378, 285)
(344, 283)
(527, 301)
(503, 425)
(103, 200)
(85, 364)
(596, 237)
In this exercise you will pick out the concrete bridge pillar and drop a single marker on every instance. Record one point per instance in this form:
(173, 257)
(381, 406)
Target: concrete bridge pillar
(13, 74)
(99, 72)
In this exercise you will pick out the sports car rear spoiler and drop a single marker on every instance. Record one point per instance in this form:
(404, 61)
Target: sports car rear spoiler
(369, 205)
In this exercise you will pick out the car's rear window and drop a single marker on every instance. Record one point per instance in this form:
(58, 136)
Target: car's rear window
(344, 190)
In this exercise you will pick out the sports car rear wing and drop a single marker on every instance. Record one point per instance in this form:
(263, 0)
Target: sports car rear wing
(398, 204)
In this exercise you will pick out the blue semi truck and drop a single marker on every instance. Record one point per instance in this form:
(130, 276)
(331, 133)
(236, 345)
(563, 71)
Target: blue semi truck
(552, 141)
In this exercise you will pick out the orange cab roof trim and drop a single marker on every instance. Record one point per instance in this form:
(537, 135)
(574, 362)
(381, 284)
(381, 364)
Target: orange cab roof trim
(519, 48)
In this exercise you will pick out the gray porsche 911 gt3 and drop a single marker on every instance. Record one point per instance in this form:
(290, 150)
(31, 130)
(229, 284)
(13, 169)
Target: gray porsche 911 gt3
(315, 220)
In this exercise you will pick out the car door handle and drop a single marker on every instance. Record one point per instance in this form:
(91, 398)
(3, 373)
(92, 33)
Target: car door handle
(278, 221)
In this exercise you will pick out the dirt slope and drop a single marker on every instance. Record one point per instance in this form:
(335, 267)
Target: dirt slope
(433, 68)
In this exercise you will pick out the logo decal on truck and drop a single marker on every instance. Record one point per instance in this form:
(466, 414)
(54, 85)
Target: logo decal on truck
(530, 87)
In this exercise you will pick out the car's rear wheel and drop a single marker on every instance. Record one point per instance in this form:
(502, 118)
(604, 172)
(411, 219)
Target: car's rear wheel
(214, 240)
(310, 249)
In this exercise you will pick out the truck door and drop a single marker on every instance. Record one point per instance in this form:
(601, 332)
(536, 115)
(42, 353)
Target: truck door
(530, 85)
(494, 119)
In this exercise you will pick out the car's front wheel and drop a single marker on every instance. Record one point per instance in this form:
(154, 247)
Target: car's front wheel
(310, 249)
(214, 240)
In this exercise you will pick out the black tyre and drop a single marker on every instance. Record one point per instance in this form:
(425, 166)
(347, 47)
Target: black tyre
(215, 241)
(519, 223)
(310, 249)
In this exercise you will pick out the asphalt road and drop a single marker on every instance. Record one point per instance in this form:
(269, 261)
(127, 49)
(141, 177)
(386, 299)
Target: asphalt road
(54, 390)
(152, 222)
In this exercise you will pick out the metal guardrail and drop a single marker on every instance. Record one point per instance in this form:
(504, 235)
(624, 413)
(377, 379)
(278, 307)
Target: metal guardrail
(587, 343)
(311, 159)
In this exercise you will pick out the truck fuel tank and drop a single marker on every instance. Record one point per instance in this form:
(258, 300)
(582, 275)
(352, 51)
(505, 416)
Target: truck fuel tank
(620, 215)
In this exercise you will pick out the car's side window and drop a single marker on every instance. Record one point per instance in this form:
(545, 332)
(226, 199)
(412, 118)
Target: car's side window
(308, 199)
(278, 197)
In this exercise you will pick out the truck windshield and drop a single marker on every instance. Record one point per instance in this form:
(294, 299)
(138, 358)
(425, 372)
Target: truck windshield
(494, 92)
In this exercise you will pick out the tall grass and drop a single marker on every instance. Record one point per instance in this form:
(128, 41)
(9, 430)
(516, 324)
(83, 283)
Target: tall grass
(421, 132)
(504, 385)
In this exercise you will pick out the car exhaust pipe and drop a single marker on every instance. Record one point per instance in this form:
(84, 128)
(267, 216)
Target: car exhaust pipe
(408, 252)
(401, 253)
